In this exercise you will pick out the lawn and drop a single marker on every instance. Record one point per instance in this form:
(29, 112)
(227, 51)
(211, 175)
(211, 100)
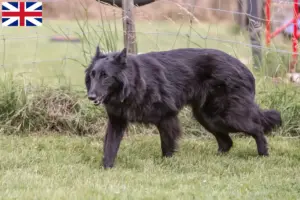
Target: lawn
(31, 54)
(60, 166)
(67, 167)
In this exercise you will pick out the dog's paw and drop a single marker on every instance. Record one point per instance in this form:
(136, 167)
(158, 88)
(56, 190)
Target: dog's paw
(264, 154)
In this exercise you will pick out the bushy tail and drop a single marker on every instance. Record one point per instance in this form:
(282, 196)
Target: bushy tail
(270, 119)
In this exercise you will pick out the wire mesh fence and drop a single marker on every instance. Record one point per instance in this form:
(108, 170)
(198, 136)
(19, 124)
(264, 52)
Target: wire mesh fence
(59, 51)
(39, 52)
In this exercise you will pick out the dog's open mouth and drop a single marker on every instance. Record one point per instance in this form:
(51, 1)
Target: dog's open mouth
(96, 102)
(99, 100)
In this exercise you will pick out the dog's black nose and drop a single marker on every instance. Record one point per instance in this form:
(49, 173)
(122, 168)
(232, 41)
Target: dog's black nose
(92, 97)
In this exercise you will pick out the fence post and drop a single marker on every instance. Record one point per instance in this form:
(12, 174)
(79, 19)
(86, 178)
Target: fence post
(254, 27)
(129, 26)
(191, 8)
(268, 22)
(293, 65)
(241, 19)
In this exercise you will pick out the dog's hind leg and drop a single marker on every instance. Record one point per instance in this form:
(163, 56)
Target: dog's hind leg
(223, 139)
(249, 125)
(114, 134)
(170, 131)
(224, 142)
(260, 139)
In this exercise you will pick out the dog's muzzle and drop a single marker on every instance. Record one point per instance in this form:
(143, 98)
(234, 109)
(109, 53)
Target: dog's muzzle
(99, 100)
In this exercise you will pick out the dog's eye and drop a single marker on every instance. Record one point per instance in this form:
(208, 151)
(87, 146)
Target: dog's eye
(103, 74)
(93, 73)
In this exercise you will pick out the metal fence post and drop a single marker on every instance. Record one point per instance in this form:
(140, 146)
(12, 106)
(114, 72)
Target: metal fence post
(254, 11)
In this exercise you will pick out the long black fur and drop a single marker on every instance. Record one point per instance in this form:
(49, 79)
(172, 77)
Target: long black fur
(152, 88)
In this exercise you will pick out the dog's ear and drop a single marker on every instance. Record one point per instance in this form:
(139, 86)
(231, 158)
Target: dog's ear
(125, 92)
(98, 54)
(122, 57)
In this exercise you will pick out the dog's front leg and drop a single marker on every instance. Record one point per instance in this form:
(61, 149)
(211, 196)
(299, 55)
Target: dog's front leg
(170, 131)
(114, 134)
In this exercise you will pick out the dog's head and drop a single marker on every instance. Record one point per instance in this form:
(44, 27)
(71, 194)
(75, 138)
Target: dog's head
(105, 77)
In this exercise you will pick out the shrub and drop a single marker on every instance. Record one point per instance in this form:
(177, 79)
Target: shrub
(46, 109)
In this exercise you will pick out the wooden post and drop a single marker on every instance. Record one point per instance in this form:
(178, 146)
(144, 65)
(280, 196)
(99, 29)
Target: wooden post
(118, 3)
(191, 8)
(129, 26)
(241, 18)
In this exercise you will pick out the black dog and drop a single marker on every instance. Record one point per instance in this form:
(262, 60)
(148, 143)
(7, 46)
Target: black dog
(152, 88)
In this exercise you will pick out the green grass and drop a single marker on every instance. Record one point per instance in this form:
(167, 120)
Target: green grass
(64, 167)
(31, 55)
(41, 91)
(32, 65)
(37, 58)
(32, 60)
